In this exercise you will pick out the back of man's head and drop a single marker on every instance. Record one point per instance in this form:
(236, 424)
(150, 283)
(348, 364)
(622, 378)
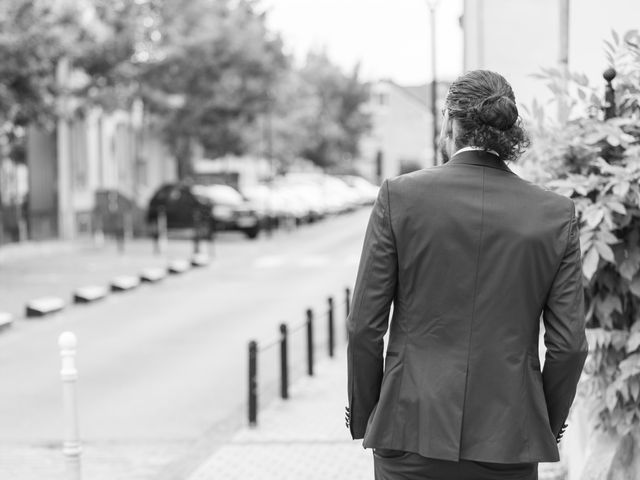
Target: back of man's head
(482, 105)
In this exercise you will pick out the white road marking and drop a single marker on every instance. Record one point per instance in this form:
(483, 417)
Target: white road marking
(313, 261)
(271, 261)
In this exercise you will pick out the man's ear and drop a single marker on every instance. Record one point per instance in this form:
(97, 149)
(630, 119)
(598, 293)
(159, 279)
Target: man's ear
(448, 128)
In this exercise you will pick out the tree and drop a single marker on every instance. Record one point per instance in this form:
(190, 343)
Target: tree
(222, 77)
(596, 162)
(209, 73)
(35, 36)
(335, 128)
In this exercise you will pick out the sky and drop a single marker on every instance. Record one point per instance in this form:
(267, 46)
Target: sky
(390, 38)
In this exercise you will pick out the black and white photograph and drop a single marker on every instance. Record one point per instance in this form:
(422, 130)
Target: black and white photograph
(319, 240)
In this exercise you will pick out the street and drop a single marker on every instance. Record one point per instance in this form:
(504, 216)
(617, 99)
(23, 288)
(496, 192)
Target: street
(163, 367)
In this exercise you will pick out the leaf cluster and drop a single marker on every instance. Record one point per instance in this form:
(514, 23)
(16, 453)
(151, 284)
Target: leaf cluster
(34, 35)
(208, 72)
(596, 162)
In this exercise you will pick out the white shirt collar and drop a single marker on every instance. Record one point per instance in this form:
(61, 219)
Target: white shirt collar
(472, 149)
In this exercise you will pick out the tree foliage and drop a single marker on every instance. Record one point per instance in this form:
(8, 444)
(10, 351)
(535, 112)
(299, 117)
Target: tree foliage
(596, 162)
(209, 73)
(339, 122)
(34, 36)
(224, 78)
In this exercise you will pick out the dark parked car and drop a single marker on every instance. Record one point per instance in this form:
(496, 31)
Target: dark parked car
(208, 208)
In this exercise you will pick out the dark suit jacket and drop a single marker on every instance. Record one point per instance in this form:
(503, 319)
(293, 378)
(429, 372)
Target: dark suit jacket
(470, 255)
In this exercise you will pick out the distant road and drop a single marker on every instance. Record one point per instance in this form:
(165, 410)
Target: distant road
(162, 366)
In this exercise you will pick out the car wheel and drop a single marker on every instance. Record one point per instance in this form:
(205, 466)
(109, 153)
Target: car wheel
(211, 230)
(252, 233)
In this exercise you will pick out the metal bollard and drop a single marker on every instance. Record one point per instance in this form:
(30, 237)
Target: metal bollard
(69, 375)
(98, 232)
(120, 233)
(128, 226)
(253, 383)
(161, 232)
(196, 242)
(212, 238)
(197, 219)
(284, 363)
(310, 342)
(330, 320)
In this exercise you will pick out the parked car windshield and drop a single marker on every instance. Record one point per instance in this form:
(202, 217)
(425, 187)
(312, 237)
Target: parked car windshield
(219, 194)
(162, 194)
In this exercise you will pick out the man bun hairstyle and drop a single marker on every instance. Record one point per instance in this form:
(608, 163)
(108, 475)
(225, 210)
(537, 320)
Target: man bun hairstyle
(484, 106)
(497, 111)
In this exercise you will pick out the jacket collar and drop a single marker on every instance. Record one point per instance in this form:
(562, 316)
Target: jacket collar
(480, 158)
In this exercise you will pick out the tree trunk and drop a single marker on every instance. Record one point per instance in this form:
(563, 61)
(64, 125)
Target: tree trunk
(183, 153)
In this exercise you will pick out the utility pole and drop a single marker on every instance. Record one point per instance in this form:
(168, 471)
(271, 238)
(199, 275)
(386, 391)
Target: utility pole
(563, 59)
(432, 4)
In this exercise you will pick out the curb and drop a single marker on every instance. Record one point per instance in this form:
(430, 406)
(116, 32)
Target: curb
(176, 267)
(200, 260)
(89, 293)
(47, 305)
(6, 320)
(152, 275)
(39, 307)
(124, 283)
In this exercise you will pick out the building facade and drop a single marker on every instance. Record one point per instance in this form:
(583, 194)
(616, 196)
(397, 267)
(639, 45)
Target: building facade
(401, 134)
(88, 156)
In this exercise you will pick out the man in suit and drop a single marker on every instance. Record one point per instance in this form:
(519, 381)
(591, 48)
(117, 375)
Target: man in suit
(470, 255)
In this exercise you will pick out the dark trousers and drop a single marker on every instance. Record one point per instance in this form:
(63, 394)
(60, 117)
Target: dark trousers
(399, 465)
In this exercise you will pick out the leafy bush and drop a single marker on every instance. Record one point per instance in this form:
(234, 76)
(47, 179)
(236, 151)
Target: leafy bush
(596, 162)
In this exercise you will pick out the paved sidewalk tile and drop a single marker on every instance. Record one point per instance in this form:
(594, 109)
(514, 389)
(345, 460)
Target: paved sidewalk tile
(304, 438)
(301, 438)
(102, 461)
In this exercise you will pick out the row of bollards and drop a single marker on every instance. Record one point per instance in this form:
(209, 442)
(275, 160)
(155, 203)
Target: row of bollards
(283, 343)
(159, 233)
(201, 232)
(69, 375)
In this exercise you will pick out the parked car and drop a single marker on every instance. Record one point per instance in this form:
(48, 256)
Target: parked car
(344, 197)
(209, 208)
(366, 191)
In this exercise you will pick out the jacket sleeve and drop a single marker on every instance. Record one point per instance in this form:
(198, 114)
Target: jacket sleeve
(369, 318)
(564, 337)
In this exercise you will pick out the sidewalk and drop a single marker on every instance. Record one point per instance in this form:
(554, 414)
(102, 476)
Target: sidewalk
(304, 438)
(301, 438)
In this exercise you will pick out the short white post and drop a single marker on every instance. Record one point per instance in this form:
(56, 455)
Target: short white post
(98, 231)
(162, 231)
(71, 446)
(128, 225)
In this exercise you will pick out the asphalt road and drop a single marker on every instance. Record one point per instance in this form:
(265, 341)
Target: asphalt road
(166, 364)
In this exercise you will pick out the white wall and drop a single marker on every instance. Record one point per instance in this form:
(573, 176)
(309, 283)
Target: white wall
(518, 37)
(401, 129)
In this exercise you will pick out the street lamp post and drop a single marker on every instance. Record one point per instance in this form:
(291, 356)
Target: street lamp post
(432, 4)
